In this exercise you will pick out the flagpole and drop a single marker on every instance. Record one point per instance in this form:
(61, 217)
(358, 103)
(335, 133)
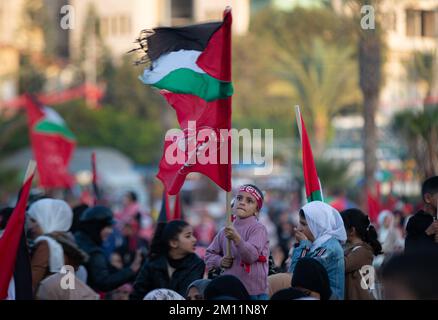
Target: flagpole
(30, 169)
(228, 203)
(298, 116)
(227, 54)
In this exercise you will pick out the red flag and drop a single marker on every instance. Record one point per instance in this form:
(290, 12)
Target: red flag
(10, 241)
(52, 144)
(165, 212)
(202, 145)
(311, 180)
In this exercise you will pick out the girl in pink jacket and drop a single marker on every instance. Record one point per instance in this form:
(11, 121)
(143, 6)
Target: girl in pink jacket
(249, 244)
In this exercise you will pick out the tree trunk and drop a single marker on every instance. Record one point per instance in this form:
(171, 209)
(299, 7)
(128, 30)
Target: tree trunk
(370, 139)
(370, 80)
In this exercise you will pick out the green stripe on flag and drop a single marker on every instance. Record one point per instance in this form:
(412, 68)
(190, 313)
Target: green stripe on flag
(53, 128)
(315, 196)
(200, 84)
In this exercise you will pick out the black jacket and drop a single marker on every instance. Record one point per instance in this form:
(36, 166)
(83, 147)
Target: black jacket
(416, 237)
(100, 275)
(154, 274)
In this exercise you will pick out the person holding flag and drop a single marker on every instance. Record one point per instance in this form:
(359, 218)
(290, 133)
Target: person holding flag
(250, 244)
(321, 229)
(191, 65)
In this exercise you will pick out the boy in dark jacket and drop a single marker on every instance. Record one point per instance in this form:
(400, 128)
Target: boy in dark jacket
(422, 228)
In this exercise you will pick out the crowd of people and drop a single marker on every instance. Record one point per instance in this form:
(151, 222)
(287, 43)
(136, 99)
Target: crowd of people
(318, 253)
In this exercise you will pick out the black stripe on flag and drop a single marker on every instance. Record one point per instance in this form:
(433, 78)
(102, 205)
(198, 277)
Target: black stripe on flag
(155, 42)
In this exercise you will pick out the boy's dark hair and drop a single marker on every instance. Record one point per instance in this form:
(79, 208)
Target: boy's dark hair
(165, 232)
(354, 218)
(430, 185)
(416, 271)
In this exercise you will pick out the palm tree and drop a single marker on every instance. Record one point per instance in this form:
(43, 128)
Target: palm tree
(370, 47)
(322, 79)
(419, 129)
(424, 69)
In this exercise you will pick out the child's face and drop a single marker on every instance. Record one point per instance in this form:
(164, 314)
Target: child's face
(246, 205)
(186, 242)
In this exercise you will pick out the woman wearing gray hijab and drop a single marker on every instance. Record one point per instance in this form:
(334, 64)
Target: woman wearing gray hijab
(195, 290)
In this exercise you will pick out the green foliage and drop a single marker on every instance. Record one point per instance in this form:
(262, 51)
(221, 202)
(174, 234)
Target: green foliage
(138, 138)
(419, 129)
(289, 58)
(9, 180)
(31, 78)
(423, 67)
(334, 175)
(13, 134)
(125, 90)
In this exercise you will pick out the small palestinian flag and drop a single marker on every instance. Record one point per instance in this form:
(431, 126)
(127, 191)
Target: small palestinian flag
(53, 144)
(188, 59)
(311, 180)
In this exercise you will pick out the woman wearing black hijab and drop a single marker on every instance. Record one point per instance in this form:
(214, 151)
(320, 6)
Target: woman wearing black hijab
(226, 287)
(95, 225)
(311, 277)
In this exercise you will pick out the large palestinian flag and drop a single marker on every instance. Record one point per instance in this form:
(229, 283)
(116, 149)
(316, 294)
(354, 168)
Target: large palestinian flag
(192, 59)
(52, 143)
(192, 66)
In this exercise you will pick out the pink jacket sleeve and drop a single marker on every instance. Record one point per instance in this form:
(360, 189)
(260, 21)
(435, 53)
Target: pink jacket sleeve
(214, 253)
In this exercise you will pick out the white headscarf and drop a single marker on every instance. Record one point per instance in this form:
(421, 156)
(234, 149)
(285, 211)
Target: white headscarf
(324, 222)
(163, 294)
(52, 215)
